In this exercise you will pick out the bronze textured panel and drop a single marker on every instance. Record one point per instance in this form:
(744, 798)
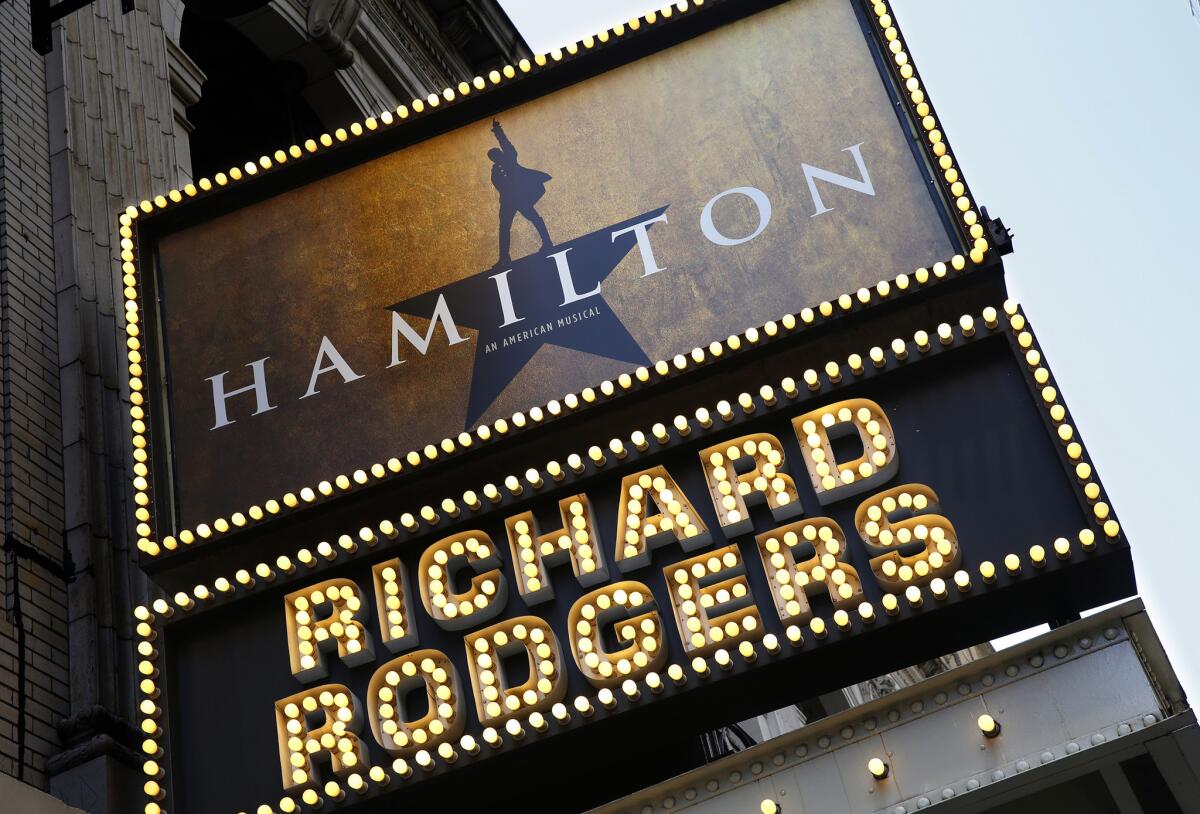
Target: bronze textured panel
(746, 105)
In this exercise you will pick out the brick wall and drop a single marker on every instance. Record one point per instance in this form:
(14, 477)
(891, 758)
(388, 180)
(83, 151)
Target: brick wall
(33, 624)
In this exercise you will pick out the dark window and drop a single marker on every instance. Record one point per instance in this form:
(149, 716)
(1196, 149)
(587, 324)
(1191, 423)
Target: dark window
(249, 106)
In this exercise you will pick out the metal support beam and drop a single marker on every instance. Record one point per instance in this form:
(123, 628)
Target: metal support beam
(43, 14)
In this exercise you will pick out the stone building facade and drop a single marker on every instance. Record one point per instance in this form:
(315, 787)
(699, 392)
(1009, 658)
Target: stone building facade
(126, 106)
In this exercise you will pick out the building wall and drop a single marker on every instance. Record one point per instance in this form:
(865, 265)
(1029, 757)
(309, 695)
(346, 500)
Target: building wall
(100, 122)
(34, 668)
(23, 798)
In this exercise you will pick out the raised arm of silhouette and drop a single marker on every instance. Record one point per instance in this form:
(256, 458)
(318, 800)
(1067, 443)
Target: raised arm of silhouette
(520, 188)
(505, 145)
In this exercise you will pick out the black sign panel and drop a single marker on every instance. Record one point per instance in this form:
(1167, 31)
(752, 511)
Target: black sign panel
(955, 503)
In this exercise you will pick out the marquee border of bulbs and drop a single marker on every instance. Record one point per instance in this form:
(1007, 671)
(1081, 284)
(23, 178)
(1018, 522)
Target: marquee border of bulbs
(920, 111)
(1010, 322)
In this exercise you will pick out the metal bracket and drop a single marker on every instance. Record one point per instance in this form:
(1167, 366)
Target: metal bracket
(43, 14)
(999, 235)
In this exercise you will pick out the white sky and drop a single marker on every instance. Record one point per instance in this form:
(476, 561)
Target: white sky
(1077, 122)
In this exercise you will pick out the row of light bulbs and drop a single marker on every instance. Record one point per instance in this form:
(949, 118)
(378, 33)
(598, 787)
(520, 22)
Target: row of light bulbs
(722, 660)
(350, 545)
(514, 729)
(379, 471)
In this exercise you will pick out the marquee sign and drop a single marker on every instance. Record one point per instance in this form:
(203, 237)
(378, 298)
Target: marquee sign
(933, 487)
(459, 466)
(438, 277)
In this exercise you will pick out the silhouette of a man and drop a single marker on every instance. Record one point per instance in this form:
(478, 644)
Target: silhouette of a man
(520, 188)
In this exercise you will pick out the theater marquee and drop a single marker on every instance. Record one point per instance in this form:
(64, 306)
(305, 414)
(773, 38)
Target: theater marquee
(410, 289)
(577, 410)
(934, 489)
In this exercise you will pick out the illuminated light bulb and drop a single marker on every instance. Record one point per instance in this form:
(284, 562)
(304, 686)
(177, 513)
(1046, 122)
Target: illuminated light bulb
(967, 325)
(945, 333)
(514, 729)
(746, 651)
(725, 410)
(878, 769)
(584, 707)
(891, 605)
(938, 587)
(746, 402)
(1037, 555)
(560, 713)
(721, 657)
(638, 439)
(866, 612)
(988, 571)
(988, 725)
(855, 363)
(401, 768)
(700, 667)
(681, 426)
(469, 745)
(841, 619)
(659, 431)
(922, 340)
(789, 387)
(899, 349)
(492, 738)
(913, 594)
(1012, 564)
(575, 462)
(768, 807)
(812, 379)
(817, 626)
(1062, 548)
(534, 478)
(654, 682)
(676, 674)
(767, 394)
(703, 418)
(538, 721)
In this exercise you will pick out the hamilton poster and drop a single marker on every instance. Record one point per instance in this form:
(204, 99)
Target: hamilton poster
(749, 172)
